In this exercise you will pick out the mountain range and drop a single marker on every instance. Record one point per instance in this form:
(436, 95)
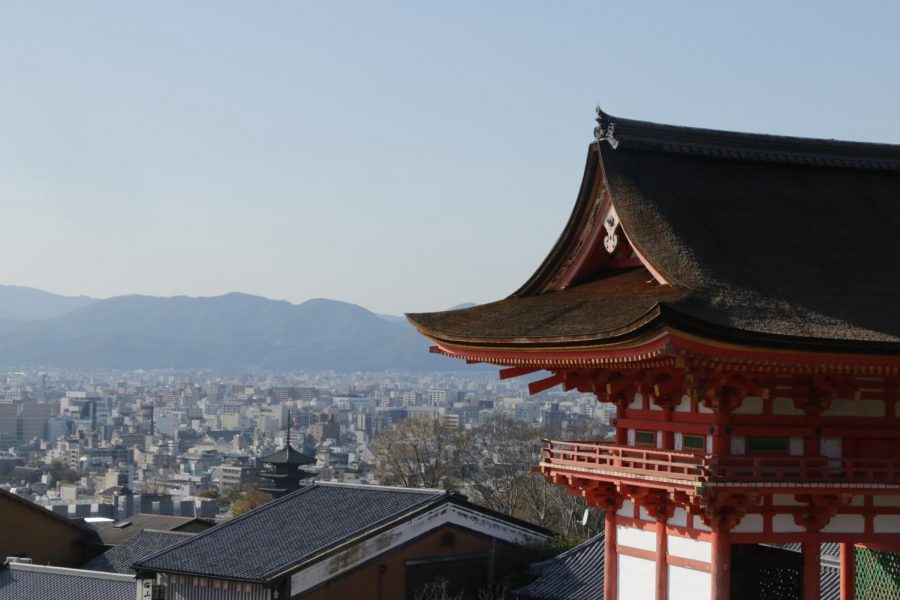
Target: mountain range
(233, 331)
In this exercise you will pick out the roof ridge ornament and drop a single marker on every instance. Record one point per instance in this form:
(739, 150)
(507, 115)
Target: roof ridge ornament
(605, 129)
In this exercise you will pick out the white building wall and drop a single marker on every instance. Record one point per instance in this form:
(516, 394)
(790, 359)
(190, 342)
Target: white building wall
(636, 578)
(688, 584)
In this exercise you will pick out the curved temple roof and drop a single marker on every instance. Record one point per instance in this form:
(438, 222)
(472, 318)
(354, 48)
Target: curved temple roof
(747, 238)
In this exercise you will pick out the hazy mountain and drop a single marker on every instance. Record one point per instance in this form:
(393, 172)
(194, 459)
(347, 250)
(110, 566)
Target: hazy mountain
(27, 304)
(231, 331)
(391, 318)
(462, 306)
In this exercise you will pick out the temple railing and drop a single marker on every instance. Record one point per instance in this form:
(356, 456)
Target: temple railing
(640, 463)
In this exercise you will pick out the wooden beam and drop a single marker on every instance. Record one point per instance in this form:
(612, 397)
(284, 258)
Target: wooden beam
(511, 372)
(545, 384)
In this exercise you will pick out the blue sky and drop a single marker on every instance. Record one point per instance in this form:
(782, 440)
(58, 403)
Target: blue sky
(404, 156)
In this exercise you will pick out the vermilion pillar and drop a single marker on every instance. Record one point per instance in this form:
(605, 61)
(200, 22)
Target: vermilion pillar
(811, 569)
(848, 572)
(721, 566)
(611, 559)
(662, 563)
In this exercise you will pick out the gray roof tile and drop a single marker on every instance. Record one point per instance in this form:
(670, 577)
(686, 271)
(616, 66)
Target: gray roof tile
(32, 582)
(576, 574)
(265, 542)
(146, 543)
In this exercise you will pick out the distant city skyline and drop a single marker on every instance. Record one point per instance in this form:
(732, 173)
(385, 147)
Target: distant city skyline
(404, 158)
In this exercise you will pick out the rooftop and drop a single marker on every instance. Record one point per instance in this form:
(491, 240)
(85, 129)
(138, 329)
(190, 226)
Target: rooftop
(769, 240)
(36, 582)
(576, 574)
(265, 542)
(146, 543)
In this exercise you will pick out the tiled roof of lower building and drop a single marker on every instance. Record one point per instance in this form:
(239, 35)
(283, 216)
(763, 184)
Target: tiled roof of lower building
(265, 542)
(146, 543)
(576, 574)
(131, 526)
(35, 582)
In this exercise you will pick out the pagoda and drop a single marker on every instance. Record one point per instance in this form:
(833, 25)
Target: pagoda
(283, 473)
(737, 298)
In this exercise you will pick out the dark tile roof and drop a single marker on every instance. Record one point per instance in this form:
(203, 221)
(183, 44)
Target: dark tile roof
(787, 241)
(265, 542)
(288, 455)
(129, 527)
(592, 311)
(576, 574)
(33, 582)
(146, 543)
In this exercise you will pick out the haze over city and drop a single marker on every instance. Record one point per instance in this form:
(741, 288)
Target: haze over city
(403, 157)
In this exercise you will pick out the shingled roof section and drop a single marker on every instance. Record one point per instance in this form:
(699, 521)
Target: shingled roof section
(288, 455)
(36, 582)
(127, 528)
(146, 543)
(265, 542)
(576, 574)
(792, 242)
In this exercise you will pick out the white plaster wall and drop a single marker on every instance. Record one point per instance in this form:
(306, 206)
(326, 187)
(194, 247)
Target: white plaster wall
(709, 444)
(679, 518)
(885, 500)
(785, 524)
(643, 515)
(738, 445)
(855, 408)
(684, 405)
(699, 525)
(637, 578)
(751, 405)
(636, 538)
(688, 584)
(631, 437)
(689, 548)
(659, 440)
(845, 524)
(784, 406)
(749, 524)
(637, 402)
(627, 509)
(795, 446)
(703, 409)
(785, 500)
(831, 447)
(887, 524)
(653, 404)
(679, 441)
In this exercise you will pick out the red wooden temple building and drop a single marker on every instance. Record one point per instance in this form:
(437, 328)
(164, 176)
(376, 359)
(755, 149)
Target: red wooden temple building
(737, 297)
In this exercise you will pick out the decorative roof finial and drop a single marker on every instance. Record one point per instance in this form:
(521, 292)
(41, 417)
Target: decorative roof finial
(288, 444)
(604, 129)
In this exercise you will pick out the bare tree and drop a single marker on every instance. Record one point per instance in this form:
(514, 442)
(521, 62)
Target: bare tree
(497, 457)
(417, 452)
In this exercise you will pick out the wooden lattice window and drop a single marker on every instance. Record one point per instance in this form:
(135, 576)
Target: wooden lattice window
(645, 438)
(765, 445)
(694, 442)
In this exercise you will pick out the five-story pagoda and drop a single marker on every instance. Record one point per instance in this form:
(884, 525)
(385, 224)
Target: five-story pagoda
(283, 473)
(737, 297)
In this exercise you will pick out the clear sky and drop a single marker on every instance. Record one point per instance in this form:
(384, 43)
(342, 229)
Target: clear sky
(403, 156)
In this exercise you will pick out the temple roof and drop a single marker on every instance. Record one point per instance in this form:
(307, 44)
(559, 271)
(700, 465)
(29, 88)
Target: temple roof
(288, 456)
(758, 239)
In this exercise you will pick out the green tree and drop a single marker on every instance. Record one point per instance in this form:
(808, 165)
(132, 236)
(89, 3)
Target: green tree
(247, 501)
